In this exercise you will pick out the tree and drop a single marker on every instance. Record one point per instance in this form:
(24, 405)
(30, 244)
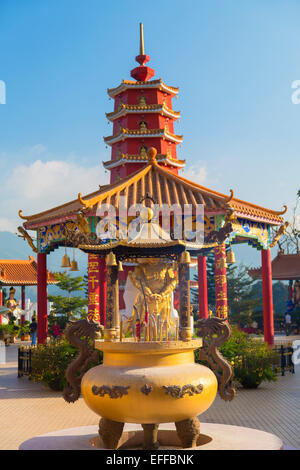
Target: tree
(68, 307)
(210, 269)
(290, 241)
(241, 298)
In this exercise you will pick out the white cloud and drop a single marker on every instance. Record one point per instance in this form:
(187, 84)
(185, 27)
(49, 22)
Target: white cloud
(195, 174)
(42, 185)
(7, 225)
(37, 149)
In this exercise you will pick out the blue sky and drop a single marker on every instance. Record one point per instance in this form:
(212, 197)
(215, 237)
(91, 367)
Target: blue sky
(234, 62)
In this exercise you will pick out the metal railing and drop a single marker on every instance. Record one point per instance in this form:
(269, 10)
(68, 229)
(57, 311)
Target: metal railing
(285, 359)
(24, 360)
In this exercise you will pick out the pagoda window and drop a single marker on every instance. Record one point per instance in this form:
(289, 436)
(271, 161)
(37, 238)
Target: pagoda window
(143, 151)
(143, 126)
(142, 101)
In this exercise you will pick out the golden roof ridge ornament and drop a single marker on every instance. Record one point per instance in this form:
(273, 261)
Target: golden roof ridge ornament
(152, 152)
(142, 50)
(22, 216)
(281, 212)
(231, 195)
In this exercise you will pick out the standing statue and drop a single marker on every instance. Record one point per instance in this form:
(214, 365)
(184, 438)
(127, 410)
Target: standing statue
(297, 293)
(155, 279)
(12, 305)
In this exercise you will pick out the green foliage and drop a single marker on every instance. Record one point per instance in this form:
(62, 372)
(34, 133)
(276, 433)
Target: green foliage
(14, 329)
(252, 360)
(69, 283)
(25, 330)
(4, 332)
(68, 306)
(49, 363)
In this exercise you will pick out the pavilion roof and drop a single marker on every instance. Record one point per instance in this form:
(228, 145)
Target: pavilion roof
(147, 108)
(139, 158)
(142, 133)
(133, 84)
(15, 272)
(164, 187)
(284, 268)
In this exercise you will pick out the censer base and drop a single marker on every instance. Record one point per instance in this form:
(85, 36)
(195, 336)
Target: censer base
(213, 437)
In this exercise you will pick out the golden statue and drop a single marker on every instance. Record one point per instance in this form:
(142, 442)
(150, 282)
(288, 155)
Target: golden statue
(143, 151)
(281, 231)
(155, 279)
(83, 224)
(143, 126)
(12, 304)
(142, 101)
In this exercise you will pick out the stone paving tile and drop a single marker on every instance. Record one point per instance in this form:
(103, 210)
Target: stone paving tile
(28, 409)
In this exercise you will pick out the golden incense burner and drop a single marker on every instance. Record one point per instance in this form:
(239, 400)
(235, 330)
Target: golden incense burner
(150, 377)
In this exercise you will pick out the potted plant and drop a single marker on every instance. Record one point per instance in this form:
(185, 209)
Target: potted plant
(14, 331)
(25, 331)
(4, 334)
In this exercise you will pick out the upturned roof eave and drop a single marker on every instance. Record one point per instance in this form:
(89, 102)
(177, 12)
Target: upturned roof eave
(89, 201)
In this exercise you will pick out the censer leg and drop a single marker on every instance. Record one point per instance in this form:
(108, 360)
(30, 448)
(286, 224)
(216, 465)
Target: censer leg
(150, 436)
(188, 431)
(110, 432)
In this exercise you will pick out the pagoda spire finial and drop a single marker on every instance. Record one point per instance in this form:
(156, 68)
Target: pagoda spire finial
(142, 73)
(142, 50)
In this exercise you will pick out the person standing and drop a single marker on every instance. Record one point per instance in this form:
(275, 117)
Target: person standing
(56, 331)
(33, 330)
(288, 321)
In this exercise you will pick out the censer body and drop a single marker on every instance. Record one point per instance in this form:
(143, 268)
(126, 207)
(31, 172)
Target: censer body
(149, 382)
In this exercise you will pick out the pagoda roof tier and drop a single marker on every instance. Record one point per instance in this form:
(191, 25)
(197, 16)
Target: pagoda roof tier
(125, 158)
(284, 268)
(143, 133)
(132, 84)
(164, 187)
(15, 272)
(147, 109)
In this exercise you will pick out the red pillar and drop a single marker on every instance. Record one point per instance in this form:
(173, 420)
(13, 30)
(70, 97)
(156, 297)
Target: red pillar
(1, 302)
(42, 298)
(221, 282)
(93, 287)
(202, 287)
(267, 296)
(103, 284)
(291, 290)
(22, 304)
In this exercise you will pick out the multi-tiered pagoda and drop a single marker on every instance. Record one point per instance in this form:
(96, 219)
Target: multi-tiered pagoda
(144, 167)
(143, 117)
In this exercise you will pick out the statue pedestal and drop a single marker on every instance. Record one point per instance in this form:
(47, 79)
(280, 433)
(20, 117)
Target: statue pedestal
(213, 437)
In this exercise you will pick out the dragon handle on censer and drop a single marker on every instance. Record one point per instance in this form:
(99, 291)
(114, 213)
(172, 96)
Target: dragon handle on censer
(174, 388)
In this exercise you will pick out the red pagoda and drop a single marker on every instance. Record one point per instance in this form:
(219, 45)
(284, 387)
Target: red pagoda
(144, 167)
(143, 117)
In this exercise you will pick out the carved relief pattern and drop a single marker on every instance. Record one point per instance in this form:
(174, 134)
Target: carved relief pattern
(146, 389)
(176, 391)
(116, 391)
(184, 295)
(112, 297)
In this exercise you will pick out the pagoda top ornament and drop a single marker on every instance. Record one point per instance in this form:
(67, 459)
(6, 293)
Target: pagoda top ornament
(142, 73)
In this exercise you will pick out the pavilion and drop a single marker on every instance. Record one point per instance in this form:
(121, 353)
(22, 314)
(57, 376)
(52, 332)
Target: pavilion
(144, 170)
(285, 267)
(22, 273)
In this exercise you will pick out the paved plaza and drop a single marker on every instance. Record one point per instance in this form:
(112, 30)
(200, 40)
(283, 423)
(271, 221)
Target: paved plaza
(28, 409)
